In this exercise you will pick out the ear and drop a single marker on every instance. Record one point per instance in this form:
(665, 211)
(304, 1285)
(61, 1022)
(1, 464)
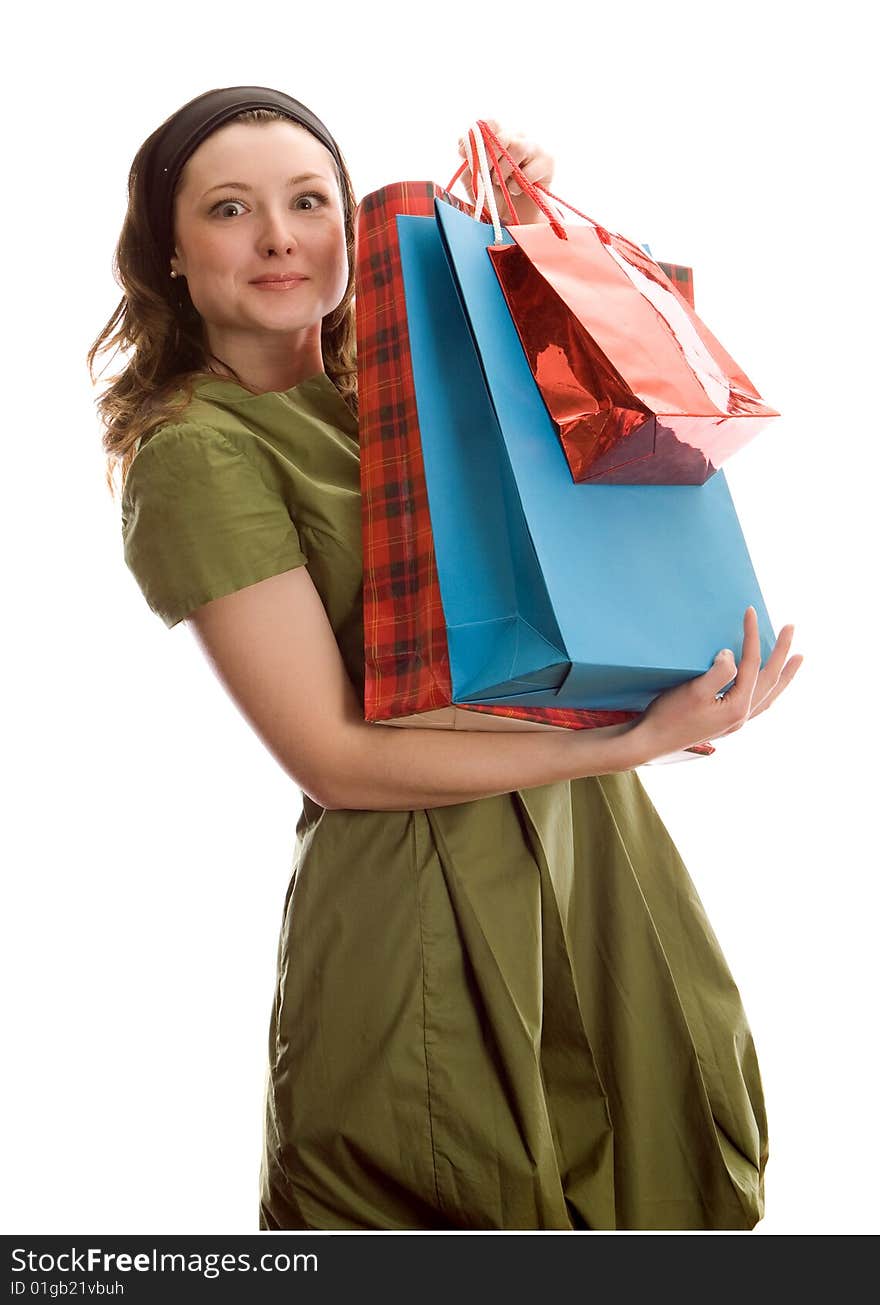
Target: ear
(177, 264)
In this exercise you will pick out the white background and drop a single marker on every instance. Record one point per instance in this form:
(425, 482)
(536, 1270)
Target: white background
(148, 834)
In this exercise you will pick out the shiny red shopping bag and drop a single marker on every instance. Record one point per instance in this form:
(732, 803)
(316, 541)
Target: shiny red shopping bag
(639, 389)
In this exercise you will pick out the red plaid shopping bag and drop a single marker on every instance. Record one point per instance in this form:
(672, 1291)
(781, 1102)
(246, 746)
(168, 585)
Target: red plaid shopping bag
(681, 277)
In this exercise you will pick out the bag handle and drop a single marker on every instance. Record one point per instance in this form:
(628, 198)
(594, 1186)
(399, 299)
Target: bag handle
(481, 138)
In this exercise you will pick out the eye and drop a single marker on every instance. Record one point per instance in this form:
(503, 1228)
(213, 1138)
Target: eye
(224, 203)
(314, 194)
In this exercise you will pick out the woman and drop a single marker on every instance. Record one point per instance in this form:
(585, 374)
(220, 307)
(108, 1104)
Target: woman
(499, 1002)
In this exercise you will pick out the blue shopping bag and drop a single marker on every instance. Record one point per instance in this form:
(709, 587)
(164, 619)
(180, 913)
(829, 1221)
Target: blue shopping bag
(555, 593)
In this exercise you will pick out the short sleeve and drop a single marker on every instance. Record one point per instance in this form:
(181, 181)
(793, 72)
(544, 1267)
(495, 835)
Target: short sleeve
(199, 520)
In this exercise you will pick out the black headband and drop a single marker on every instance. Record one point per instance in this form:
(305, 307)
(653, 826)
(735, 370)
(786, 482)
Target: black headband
(186, 130)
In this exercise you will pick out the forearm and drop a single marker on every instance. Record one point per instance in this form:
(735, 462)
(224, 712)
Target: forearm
(387, 768)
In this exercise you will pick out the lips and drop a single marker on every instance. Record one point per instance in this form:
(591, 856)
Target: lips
(274, 280)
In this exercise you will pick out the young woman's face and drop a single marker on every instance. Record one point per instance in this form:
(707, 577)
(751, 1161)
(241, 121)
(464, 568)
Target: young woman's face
(260, 200)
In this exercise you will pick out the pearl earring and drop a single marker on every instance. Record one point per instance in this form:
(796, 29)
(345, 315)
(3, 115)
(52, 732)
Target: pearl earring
(174, 274)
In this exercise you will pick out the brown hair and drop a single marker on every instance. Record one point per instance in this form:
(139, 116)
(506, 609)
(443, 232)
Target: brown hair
(158, 323)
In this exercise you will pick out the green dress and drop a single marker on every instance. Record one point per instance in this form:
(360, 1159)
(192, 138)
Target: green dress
(511, 1013)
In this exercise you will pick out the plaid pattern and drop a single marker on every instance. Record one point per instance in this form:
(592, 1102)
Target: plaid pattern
(682, 278)
(406, 657)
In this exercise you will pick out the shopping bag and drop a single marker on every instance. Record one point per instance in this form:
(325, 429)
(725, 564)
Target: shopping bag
(407, 678)
(640, 391)
(580, 595)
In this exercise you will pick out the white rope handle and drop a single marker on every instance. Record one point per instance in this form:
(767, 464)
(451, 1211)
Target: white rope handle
(485, 195)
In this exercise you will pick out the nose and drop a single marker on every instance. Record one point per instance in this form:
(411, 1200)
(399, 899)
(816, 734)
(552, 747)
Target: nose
(276, 236)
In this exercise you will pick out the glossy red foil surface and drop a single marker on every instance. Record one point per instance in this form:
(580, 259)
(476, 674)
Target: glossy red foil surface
(640, 391)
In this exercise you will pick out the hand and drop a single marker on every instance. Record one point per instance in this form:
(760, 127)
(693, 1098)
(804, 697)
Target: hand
(772, 678)
(535, 162)
(694, 713)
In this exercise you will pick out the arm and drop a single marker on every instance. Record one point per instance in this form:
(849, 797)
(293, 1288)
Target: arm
(273, 649)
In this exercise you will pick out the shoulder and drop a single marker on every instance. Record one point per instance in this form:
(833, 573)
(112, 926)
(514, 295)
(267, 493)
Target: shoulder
(190, 449)
(186, 433)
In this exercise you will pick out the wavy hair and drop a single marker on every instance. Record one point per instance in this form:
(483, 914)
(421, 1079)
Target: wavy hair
(158, 327)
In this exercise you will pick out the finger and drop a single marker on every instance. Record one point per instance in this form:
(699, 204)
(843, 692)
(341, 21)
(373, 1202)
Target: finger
(723, 664)
(538, 169)
(789, 671)
(519, 154)
(750, 663)
(770, 676)
(769, 673)
(776, 660)
(525, 157)
(721, 672)
(733, 706)
(535, 166)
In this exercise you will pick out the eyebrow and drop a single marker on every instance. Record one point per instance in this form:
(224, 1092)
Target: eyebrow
(242, 185)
